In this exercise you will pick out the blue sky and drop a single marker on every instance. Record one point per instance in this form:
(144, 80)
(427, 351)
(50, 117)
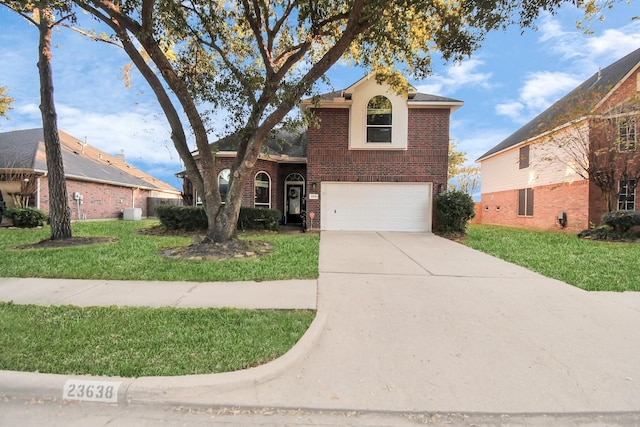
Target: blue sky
(512, 78)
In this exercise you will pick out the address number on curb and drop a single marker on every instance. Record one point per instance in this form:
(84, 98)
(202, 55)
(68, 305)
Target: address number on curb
(91, 391)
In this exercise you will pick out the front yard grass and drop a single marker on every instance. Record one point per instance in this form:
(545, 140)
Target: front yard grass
(135, 256)
(587, 264)
(133, 342)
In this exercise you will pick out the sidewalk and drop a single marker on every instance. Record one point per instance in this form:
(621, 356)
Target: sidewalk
(290, 294)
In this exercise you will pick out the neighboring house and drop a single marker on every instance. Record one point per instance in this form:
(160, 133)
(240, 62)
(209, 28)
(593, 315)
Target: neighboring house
(99, 185)
(539, 177)
(376, 161)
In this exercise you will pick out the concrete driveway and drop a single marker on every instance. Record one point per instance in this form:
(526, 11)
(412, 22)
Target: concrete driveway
(414, 322)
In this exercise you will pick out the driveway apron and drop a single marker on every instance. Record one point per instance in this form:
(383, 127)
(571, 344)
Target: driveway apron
(415, 322)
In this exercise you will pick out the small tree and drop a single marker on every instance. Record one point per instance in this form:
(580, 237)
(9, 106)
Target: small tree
(599, 146)
(5, 102)
(467, 177)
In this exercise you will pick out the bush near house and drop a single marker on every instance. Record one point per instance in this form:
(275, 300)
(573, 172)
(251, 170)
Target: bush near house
(617, 225)
(26, 217)
(191, 218)
(454, 209)
(622, 220)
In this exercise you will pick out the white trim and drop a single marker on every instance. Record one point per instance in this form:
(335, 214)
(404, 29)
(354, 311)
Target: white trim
(254, 189)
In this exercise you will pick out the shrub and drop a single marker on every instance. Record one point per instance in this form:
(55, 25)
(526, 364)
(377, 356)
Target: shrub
(258, 219)
(26, 217)
(454, 209)
(188, 218)
(621, 221)
(192, 218)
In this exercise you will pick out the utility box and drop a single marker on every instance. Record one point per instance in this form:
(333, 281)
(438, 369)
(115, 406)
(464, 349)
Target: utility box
(132, 214)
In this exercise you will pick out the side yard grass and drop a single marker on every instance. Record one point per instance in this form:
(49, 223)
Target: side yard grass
(135, 256)
(587, 264)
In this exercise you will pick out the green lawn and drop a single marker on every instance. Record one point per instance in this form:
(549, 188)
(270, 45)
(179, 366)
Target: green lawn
(587, 264)
(135, 256)
(133, 342)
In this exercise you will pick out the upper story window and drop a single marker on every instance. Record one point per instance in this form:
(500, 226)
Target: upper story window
(627, 135)
(262, 190)
(524, 157)
(223, 183)
(379, 119)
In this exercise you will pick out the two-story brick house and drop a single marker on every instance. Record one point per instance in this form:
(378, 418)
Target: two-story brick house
(538, 177)
(375, 161)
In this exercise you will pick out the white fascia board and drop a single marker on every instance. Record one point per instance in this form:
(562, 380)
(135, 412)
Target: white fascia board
(528, 140)
(453, 106)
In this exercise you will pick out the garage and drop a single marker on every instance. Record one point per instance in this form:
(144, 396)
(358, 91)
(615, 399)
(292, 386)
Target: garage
(376, 206)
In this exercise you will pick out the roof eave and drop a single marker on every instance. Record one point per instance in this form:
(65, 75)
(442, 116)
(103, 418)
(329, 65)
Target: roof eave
(529, 140)
(453, 106)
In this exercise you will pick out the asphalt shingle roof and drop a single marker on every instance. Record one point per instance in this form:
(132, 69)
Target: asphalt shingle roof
(589, 94)
(285, 143)
(25, 149)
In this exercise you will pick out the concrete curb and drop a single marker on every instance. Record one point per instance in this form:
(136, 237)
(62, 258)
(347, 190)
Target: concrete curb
(166, 390)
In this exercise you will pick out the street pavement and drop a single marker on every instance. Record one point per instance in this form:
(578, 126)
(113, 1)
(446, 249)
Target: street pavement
(406, 323)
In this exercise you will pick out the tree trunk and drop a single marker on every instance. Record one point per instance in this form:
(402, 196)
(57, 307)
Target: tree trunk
(59, 213)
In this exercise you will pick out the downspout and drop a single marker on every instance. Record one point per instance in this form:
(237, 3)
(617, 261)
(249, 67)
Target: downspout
(38, 193)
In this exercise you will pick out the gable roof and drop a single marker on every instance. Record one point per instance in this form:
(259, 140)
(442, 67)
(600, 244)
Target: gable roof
(588, 96)
(413, 99)
(283, 145)
(24, 150)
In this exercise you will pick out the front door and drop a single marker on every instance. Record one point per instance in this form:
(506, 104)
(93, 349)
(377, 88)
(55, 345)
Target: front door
(295, 203)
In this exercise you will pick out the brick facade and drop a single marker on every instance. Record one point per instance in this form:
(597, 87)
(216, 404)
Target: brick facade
(100, 201)
(329, 157)
(278, 173)
(501, 208)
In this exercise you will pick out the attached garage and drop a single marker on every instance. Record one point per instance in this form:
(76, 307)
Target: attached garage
(376, 206)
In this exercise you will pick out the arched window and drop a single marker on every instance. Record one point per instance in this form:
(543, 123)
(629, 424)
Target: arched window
(262, 190)
(379, 119)
(223, 183)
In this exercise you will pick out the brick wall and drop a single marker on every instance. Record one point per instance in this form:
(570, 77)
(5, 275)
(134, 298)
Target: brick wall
(329, 157)
(502, 207)
(100, 201)
(278, 174)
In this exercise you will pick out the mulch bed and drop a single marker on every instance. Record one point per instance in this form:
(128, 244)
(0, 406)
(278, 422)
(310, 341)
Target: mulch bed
(234, 249)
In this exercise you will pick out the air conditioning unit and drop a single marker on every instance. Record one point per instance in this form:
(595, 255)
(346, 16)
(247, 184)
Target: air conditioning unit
(132, 214)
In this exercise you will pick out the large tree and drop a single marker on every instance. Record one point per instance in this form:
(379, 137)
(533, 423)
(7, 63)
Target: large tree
(42, 14)
(255, 60)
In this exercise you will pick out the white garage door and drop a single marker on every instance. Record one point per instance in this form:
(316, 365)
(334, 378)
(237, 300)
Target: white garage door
(376, 206)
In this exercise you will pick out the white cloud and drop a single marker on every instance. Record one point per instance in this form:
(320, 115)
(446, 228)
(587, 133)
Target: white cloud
(544, 88)
(144, 137)
(475, 140)
(512, 109)
(584, 54)
(574, 57)
(538, 92)
(456, 77)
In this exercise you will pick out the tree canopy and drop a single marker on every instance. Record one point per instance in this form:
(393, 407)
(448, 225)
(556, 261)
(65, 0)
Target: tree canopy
(249, 62)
